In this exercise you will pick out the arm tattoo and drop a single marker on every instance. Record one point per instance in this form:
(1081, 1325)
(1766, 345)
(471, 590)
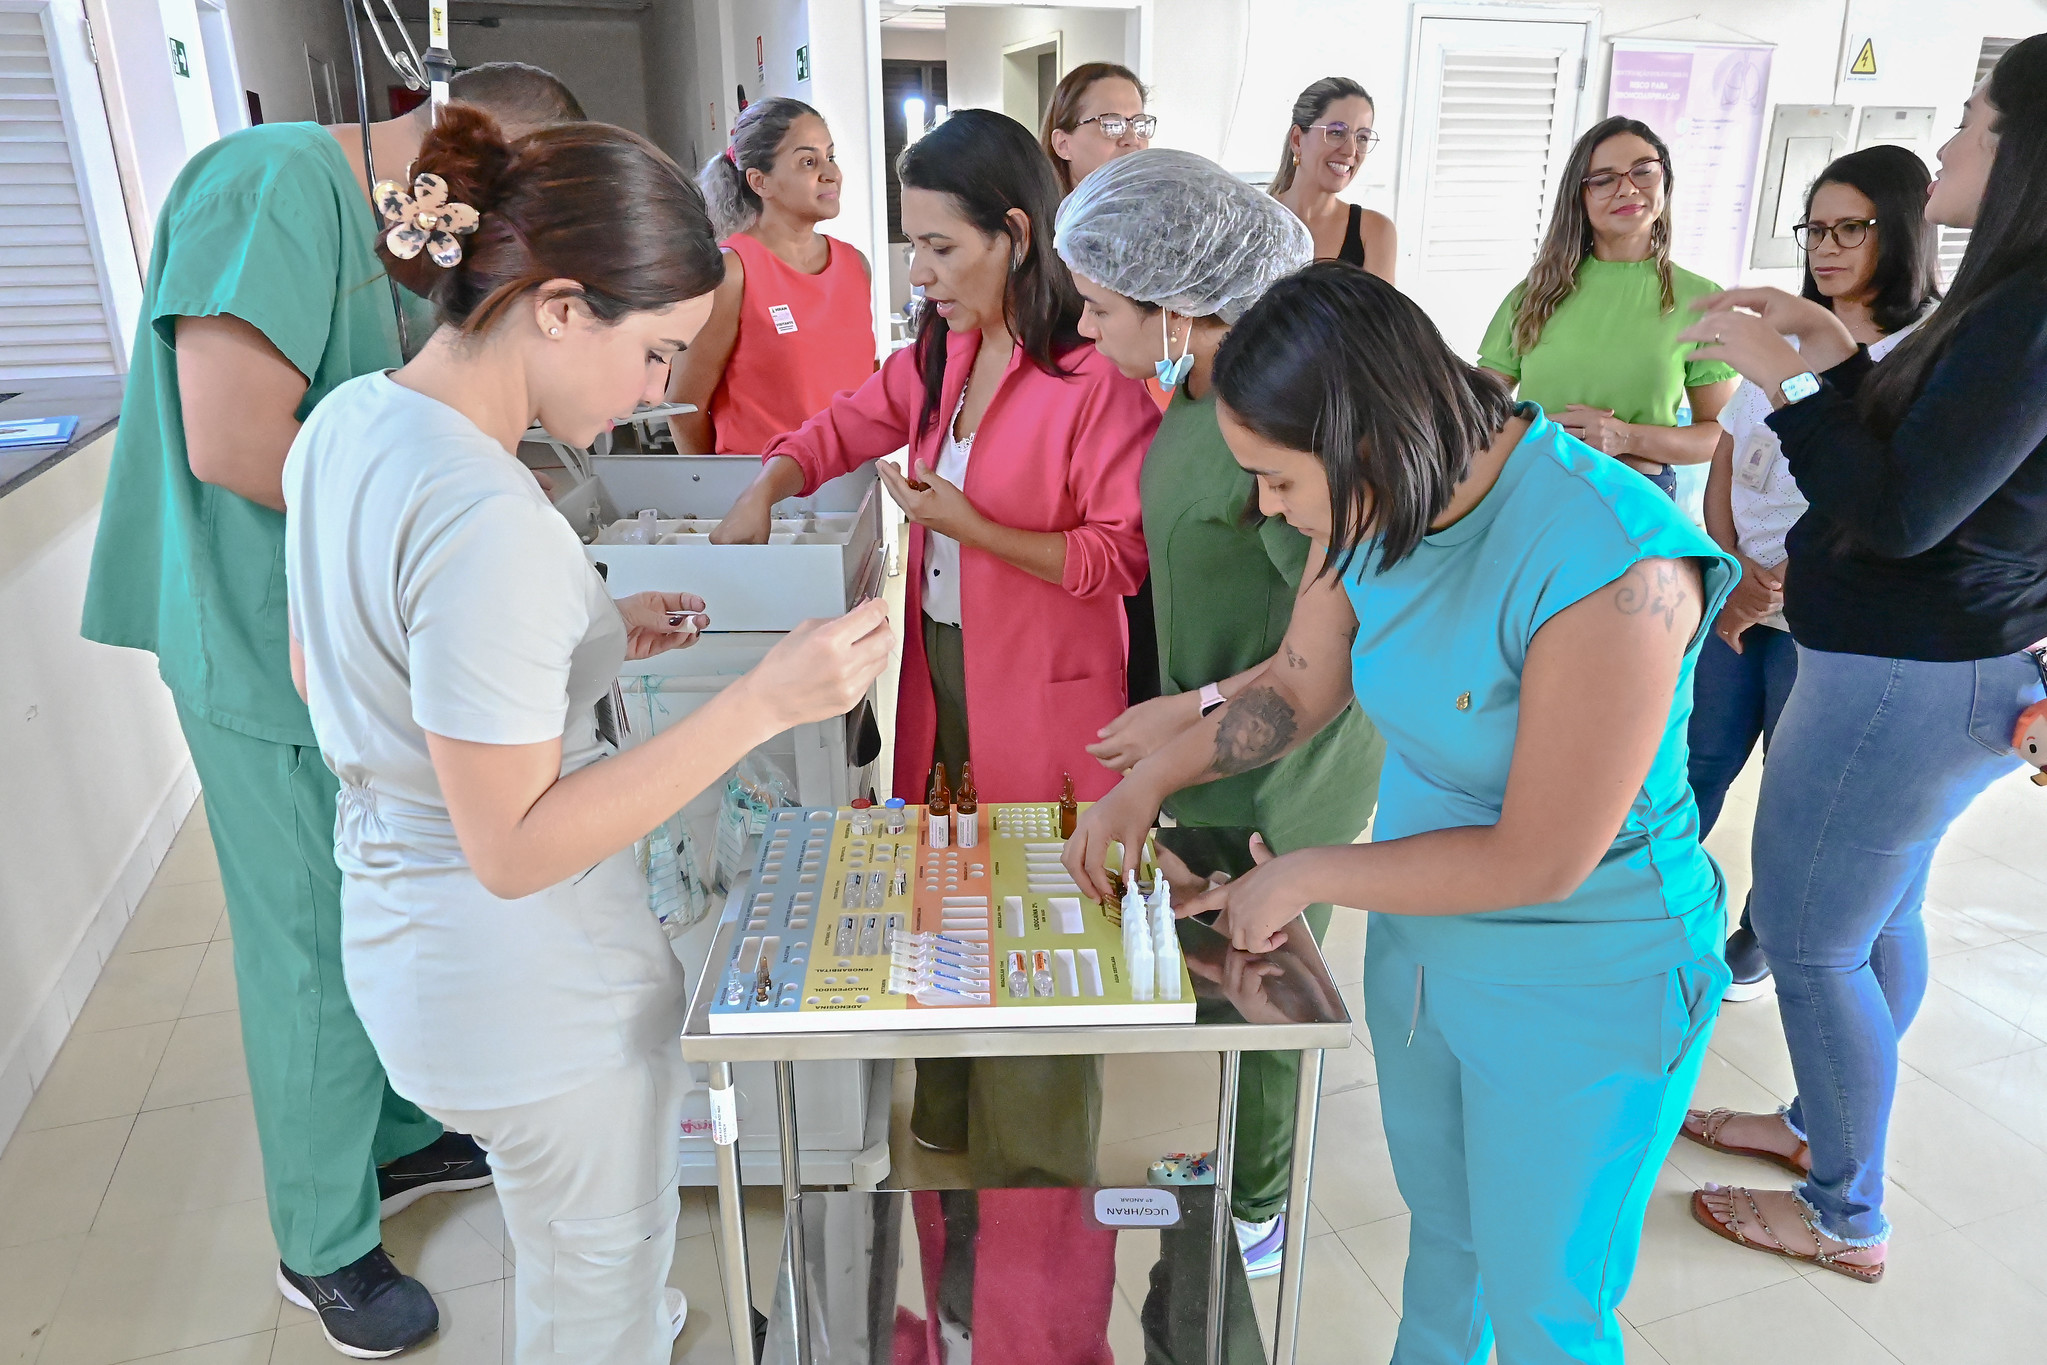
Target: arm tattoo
(1656, 588)
(1293, 659)
(1256, 729)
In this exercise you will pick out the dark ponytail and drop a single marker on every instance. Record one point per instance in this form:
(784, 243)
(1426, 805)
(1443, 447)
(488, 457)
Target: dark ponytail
(756, 137)
(578, 201)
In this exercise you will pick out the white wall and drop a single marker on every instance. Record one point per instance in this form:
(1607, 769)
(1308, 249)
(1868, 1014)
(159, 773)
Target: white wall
(272, 38)
(976, 34)
(96, 774)
(598, 56)
(1224, 73)
(912, 44)
(672, 75)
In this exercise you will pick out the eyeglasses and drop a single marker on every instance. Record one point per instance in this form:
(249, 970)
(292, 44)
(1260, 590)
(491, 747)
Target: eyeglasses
(1115, 125)
(1339, 133)
(1849, 233)
(1646, 175)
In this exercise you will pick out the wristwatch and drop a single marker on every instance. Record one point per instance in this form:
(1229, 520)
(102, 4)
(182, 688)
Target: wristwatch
(1799, 387)
(1211, 698)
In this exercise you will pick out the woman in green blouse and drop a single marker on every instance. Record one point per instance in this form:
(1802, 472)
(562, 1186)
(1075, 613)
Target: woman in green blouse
(1168, 249)
(1591, 334)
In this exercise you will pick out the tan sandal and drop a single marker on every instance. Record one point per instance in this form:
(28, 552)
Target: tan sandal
(1711, 1121)
(1820, 1256)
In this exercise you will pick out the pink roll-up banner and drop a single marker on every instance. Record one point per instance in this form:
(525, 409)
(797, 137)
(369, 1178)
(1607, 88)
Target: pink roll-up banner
(1706, 101)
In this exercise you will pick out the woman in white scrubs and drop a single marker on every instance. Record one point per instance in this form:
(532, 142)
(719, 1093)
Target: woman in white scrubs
(453, 641)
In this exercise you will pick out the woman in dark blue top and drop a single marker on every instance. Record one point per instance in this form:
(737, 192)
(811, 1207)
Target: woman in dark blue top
(1918, 598)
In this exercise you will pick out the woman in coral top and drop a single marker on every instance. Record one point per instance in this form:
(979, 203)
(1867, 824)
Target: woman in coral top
(1025, 446)
(792, 327)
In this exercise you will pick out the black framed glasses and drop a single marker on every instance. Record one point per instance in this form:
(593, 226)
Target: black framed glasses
(1337, 134)
(1115, 125)
(1646, 175)
(1848, 234)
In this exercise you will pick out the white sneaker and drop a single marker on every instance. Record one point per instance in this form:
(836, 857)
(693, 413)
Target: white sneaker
(1262, 1245)
(678, 1310)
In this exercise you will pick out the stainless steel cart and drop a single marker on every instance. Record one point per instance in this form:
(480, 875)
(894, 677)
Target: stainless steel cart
(1296, 1010)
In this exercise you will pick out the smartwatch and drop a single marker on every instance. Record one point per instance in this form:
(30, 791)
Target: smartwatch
(1799, 387)
(1211, 698)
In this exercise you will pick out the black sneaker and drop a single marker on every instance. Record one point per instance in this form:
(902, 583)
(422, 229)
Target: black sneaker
(1751, 969)
(451, 1161)
(367, 1309)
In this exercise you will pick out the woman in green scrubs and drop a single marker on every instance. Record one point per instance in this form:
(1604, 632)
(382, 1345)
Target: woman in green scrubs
(1168, 249)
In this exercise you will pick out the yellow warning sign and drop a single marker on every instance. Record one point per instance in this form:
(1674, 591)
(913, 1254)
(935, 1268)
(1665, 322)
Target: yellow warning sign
(1865, 59)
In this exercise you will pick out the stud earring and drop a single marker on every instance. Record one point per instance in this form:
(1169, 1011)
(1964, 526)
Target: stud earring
(554, 331)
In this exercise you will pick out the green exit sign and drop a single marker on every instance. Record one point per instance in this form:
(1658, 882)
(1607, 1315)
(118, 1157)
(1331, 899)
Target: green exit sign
(803, 62)
(180, 64)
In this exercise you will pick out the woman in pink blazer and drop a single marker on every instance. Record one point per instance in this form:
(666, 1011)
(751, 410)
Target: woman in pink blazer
(1026, 447)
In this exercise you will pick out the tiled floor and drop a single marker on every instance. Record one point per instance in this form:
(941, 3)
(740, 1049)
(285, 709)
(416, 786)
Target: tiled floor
(132, 1223)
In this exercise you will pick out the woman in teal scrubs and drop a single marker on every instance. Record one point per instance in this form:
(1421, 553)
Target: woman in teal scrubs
(1520, 616)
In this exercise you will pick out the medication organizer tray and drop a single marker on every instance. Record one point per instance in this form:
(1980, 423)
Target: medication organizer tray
(829, 906)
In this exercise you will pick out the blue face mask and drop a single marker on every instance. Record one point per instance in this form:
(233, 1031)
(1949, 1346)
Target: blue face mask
(1172, 373)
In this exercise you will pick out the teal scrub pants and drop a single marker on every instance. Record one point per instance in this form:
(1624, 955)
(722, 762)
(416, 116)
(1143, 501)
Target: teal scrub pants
(325, 1116)
(1526, 1126)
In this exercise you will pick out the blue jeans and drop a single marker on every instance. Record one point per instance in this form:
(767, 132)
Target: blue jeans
(1873, 760)
(1736, 699)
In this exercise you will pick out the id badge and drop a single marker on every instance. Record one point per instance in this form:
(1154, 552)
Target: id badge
(1755, 459)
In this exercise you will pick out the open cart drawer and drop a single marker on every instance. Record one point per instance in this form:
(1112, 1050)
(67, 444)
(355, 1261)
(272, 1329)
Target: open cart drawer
(824, 555)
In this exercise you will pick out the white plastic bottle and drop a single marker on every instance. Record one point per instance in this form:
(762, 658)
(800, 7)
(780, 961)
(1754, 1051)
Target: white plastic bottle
(1165, 940)
(1138, 954)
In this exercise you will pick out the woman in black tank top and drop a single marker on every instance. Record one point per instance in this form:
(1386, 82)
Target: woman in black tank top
(1327, 142)
(1352, 251)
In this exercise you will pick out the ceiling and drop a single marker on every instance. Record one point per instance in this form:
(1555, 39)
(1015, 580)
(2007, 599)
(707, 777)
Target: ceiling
(899, 16)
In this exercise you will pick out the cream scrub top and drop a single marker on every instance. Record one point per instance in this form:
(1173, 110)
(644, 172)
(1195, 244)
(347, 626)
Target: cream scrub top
(434, 588)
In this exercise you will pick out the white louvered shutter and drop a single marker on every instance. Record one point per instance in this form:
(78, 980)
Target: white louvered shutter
(1490, 170)
(54, 319)
(1496, 105)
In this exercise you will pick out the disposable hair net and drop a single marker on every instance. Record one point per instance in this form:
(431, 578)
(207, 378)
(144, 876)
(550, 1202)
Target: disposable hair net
(1176, 230)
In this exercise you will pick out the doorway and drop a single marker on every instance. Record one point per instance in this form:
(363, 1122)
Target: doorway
(1030, 73)
(1495, 106)
(223, 75)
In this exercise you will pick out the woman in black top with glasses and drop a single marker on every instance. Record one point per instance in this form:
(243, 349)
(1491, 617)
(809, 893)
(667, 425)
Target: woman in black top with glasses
(1326, 144)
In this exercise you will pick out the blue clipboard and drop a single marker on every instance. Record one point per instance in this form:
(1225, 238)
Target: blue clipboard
(36, 431)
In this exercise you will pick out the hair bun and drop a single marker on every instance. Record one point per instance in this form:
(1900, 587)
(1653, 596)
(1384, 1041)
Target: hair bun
(468, 150)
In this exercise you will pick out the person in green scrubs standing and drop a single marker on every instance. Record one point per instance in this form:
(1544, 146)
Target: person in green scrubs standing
(264, 292)
(1168, 250)
(1591, 334)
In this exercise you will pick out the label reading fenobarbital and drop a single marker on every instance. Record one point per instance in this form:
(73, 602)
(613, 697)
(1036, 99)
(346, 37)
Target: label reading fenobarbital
(1139, 1207)
(724, 1116)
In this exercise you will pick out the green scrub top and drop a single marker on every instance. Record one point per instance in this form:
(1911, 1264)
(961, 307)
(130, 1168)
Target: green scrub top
(1223, 589)
(1609, 344)
(270, 226)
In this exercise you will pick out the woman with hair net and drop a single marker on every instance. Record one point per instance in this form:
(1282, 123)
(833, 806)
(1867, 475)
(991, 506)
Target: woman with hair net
(1169, 249)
